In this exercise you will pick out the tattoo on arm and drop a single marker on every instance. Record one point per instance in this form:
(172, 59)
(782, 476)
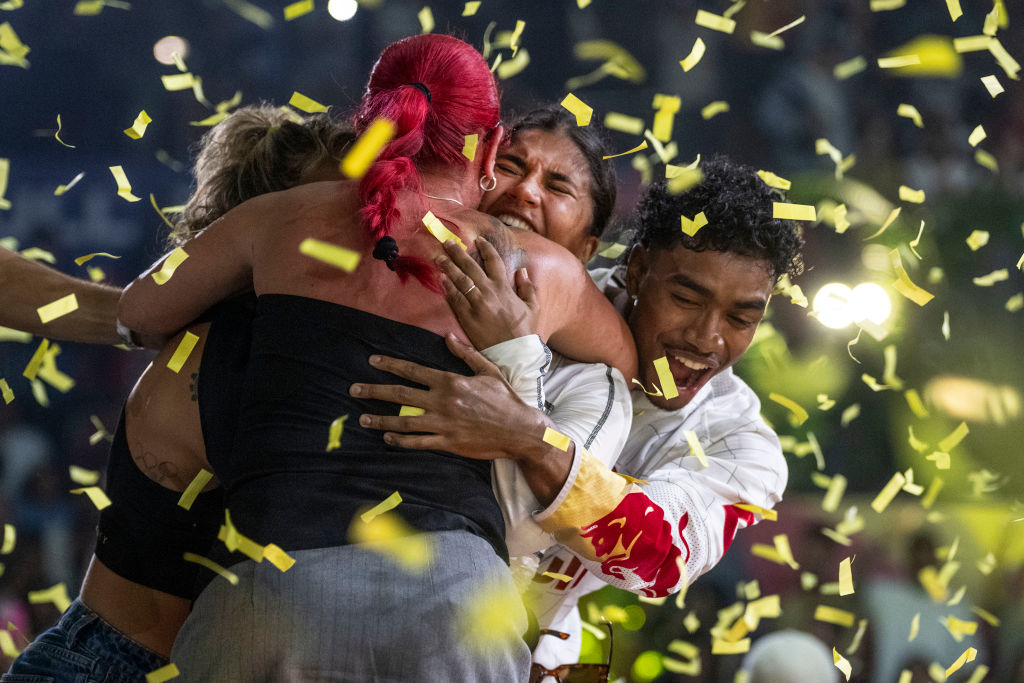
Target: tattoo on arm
(193, 387)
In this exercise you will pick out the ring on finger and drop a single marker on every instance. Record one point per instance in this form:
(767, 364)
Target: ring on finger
(466, 293)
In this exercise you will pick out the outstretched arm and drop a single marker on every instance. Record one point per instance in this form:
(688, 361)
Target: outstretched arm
(26, 285)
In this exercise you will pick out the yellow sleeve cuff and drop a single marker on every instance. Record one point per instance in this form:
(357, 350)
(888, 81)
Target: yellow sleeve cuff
(595, 493)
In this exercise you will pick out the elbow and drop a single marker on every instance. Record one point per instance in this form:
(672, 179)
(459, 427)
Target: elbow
(133, 313)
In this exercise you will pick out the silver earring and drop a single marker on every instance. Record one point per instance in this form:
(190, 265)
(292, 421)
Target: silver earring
(491, 183)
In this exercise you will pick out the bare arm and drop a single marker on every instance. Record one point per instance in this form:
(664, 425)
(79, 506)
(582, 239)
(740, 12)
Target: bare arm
(26, 285)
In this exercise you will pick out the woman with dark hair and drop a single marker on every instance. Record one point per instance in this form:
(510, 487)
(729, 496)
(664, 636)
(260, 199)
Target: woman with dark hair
(346, 610)
(138, 588)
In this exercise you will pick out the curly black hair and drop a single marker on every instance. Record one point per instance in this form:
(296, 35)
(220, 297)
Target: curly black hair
(738, 206)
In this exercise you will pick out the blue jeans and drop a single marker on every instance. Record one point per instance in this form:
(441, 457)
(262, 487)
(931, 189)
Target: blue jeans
(82, 648)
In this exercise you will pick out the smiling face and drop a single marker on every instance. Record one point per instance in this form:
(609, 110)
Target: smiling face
(697, 308)
(543, 185)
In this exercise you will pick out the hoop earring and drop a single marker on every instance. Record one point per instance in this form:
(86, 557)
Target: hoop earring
(492, 182)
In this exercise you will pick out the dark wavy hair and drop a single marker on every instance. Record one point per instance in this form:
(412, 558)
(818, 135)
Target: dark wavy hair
(593, 143)
(738, 206)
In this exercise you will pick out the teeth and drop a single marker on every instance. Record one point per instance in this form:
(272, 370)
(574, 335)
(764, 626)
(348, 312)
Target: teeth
(693, 365)
(513, 222)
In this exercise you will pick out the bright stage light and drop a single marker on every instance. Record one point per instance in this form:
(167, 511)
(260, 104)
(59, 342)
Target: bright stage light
(832, 305)
(342, 10)
(869, 301)
(164, 48)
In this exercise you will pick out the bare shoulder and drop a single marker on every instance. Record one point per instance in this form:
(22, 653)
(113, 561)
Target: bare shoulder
(551, 262)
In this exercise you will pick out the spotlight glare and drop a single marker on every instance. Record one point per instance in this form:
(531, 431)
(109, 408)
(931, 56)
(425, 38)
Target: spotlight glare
(869, 301)
(164, 48)
(342, 10)
(832, 305)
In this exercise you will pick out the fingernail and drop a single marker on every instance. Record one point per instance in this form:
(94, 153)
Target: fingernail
(364, 420)
(388, 439)
(356, 389)
(374, 360)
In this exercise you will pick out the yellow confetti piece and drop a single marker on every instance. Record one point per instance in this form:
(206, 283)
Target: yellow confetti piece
(993, 85)
(1015, 302)
(558, 577)
(714, 22)
(772, 180)
(681, 179)
(987, 616)
(689, 651)
(850, 67)
(690, 227)
(696, 450)
(96, 495)
(170, 264)
(968, 656)
(757, 509)
(426, 17)
(911, 195)
(977, 135)
(945, 325)
(297, 9)
(656, 392)
(410, 411)
(832, 615)
(124, 188)
(696, 52)
(306, 104)
(37, 254)
(767, 40)
(904, 285)
(389, 534)
(331, 254)
(668, 383)
(940, 459)
(556, 439)
(471, 8)
(666, 106)
(83, 476)
(5, 391)
(845, 577)
(977, 239)
(992, 278)
(56, 309)
(278, 557)
(88, 257)
(795, 22)
(36, 361)
(195, 487)
(175, 82)
(180, 355)
(440, 231)
(58, 595)
(834, 493)
(623, 123)
(954, 438)
(469, 146)
(583, 4)
(578, 108)
(714, 109)
(725, 647)
(985, 159)
(56, 136)
(10, 537)
(841, 663)
(7, 645)
(1003, 58)
(641, 146)
(138, 128)
(915, 403)
(229, 576)
(334, 433)
(915, 627)
(611, 250)
(886, 5)
(954, 9)
(958, 629)
(797, 413)
(910, 111)
(898, 62)
(794, 212)
(364, 151)
(61, 189)
(888, 492)
(164, 673)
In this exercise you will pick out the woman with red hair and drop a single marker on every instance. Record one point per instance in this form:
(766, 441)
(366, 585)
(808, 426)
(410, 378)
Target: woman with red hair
(299, 476)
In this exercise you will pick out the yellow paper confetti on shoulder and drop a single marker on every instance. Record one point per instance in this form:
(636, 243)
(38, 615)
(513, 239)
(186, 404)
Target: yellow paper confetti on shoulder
(56, 136)
(578, 108)
(5, 391)
(470, 8)
(977, 239)
(968, 656)
(81, 475)
(124, 188)
(714, 109)
(58, 595)
(993, 85)
(832, 615)
(195, 487)
(297, 9)
(977, 135)
(888, 492)
(992, 278)
(469, 146)
(56, 309)
(138, 128)
(841, 663)
(714, 22)
(426, 17)
(7, 645)
(696, 450)
(439, 230)
(306, 104)
(910, 111)
(229, 576)
(334, 433)
(696, 52)
(849, 68)
(164, 673)
(797, 413)
(904, 285)
(772, 180)
(181, 354)
(641, 146)
(556, 439)
(170, 264)
(794, 212)
(331, 254)
(365, 150)
(410, 411)
(845, 577)
(96, 495)
(668, 383)
(10, 538)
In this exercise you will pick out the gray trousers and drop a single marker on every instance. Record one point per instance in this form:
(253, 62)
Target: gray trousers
(352, 614)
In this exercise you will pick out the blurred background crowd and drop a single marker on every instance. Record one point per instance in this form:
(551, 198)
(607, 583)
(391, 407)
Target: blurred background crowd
(881, 396)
